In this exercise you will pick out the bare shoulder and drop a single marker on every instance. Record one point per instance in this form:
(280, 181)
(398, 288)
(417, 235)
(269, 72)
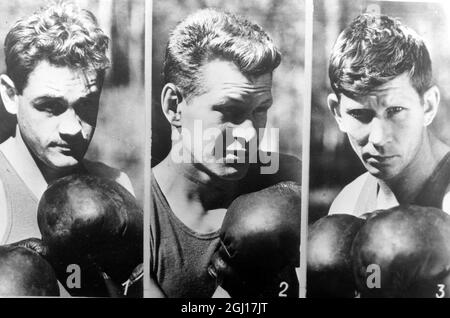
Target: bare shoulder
(345, 201)
(101, 169)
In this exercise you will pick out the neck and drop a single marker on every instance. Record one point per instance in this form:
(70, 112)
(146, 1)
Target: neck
(51, 174)
(189, 183)
(197, 198)
(410, 182)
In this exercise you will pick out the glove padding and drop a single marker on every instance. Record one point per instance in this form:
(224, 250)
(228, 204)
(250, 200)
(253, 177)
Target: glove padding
(96, 224)
(408, 251)
(259, 243)
(329, 270)
(24, 272)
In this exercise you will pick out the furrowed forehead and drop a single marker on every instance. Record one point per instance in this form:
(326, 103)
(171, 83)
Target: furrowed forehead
(227, 75)
(50, 80)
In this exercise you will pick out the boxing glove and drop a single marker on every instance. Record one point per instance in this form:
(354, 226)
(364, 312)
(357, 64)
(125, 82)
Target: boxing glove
(329, 263)
(259, 243)
(95, 224)
(403, 252)
(24, 272)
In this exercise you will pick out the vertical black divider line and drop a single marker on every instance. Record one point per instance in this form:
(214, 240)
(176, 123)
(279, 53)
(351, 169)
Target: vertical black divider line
(309, 14)
(148, 141)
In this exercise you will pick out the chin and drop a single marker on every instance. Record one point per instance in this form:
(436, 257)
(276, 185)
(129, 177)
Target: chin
(381, 174)
(62, 162)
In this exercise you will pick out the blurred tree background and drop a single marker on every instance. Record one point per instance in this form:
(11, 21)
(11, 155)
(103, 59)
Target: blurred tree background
(282, 20)
(119, 137)
(333, 162)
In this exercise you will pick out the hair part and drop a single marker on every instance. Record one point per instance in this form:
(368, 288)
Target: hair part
(373, 50)
(210, 34)
(63, 35)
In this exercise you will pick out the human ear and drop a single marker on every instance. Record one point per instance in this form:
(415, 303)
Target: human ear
(170, 103)
(431, 99)
(8, 94)
(333, 105)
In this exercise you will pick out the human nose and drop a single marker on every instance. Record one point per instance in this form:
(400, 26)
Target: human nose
(70, 123)
(245, 131)
(379, 132)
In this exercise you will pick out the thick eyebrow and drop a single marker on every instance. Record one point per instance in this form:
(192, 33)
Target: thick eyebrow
(88, 98)
(49, 98)
(60, 99)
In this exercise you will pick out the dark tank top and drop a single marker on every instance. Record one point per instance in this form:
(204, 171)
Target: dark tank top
(434, 190)
(179, 255)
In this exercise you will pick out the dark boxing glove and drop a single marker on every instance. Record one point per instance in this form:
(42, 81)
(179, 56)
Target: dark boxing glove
(403, 252)
(93, 223)
(259, 243)
(24, 272)
(329, 270)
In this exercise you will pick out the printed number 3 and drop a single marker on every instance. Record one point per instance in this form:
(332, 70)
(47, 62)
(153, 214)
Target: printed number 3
(441, 293)
(284, 287)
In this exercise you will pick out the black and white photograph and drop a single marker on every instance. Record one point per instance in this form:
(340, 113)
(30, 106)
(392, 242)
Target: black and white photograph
(204, 149)
(72, 148)
(380, 156)
(227, 85)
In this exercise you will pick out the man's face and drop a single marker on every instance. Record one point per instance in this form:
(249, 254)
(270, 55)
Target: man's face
(231, 111)
(386, 128)
(57, 113)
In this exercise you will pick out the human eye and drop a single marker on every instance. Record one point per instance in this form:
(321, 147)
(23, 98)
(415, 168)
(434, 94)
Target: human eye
(362, 115)
(53, 108)
(230, 111)
(261, 109)
(394, 110)
(83, 107)
(87, 110)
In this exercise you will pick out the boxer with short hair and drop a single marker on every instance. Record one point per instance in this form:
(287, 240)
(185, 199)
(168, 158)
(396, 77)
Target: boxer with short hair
(385, 100)
(218, 80)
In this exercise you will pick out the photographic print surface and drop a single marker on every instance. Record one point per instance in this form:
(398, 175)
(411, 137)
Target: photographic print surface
(226, 147)
(72, 148)
(379, 173)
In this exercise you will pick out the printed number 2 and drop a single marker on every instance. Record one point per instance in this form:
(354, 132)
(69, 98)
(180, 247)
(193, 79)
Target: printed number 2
(441, 293)
(284, 287)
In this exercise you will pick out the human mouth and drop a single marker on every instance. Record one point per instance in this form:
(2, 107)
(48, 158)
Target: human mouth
(377, 159)
(236, 153)
(63, 148)
(235, 156)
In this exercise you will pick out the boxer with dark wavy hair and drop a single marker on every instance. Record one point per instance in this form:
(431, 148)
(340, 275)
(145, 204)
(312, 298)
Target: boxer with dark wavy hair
(56, 60)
